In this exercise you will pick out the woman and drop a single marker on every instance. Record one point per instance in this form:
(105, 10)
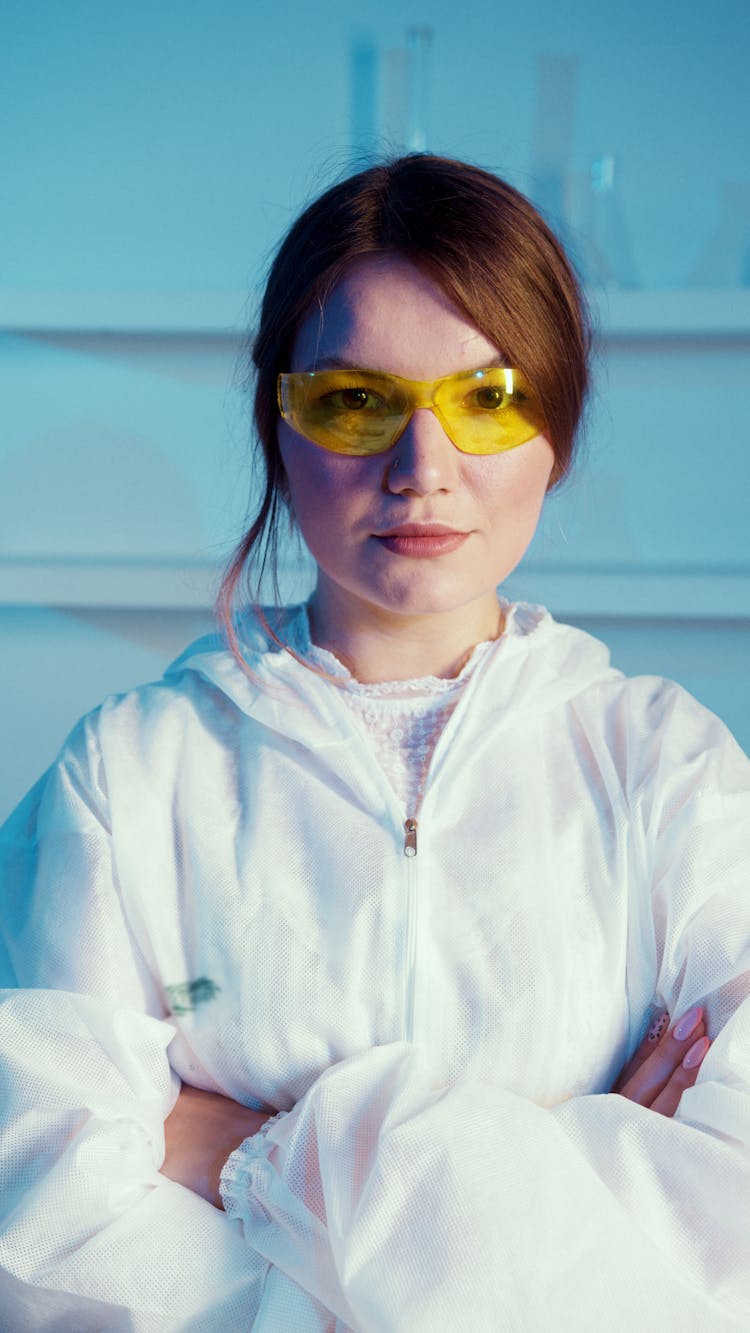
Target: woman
(393, 887)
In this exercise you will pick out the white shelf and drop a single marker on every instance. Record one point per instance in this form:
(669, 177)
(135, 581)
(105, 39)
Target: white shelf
(145, 585)
(148, 313)
(190, 585)
(700, 312)
(138, 584)
(637, 594)
(226, 314)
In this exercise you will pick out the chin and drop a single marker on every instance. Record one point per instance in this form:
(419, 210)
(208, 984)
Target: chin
(412, 601)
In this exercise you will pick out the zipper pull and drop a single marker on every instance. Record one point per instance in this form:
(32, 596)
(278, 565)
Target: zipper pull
(410, 841)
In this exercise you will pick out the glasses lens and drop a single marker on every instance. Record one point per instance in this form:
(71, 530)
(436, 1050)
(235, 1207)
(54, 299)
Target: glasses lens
(364, 412)
(348, 412)
(488, 411)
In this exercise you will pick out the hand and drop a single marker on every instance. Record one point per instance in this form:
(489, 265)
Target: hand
(200, 1133)
(658, 1074)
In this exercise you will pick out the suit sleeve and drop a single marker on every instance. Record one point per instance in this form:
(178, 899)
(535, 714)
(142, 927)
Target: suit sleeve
(92, 1236)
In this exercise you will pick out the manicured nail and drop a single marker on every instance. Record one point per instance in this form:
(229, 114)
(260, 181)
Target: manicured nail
(696, 1053)
(658, 1026)
(688, 1023)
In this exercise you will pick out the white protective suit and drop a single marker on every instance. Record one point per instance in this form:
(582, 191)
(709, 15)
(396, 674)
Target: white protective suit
(210, 885)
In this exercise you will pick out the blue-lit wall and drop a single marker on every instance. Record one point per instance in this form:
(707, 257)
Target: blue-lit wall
(152, 153)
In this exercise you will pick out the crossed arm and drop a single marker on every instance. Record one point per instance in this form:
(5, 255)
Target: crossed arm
(204, 1128)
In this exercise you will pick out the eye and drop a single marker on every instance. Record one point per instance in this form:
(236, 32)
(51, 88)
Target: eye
(489, 391)
(489, 397)
(354, 400)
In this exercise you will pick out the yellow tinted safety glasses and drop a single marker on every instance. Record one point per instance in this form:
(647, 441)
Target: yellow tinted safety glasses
(366, 411)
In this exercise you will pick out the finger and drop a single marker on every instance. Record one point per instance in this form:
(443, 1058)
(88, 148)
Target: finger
(653, 1075)
(683, 1077)
(656, 1071)
(655, 1031)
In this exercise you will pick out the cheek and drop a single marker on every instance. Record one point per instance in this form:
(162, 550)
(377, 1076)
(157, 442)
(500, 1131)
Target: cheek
(305, 476)
(516, 487)
(321, 484)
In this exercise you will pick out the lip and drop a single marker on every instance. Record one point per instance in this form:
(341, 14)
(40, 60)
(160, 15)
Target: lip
(422, 530)
(421, 540)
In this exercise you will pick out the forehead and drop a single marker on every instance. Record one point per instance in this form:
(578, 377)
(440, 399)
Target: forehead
(386, 314)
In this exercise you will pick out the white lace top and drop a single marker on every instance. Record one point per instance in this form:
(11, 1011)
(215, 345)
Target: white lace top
(403, 718)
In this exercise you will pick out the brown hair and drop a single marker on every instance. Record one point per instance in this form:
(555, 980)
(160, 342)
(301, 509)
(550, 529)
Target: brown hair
(482, 242)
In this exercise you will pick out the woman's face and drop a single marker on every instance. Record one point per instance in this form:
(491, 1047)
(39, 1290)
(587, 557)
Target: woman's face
(356, 514)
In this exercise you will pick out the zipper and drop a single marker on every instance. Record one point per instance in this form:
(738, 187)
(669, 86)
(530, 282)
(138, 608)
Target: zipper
(412, 907)
(412, 900)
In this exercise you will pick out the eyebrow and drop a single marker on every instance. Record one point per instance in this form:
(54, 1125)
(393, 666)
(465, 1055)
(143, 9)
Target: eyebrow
(340, 363)
(333, 363)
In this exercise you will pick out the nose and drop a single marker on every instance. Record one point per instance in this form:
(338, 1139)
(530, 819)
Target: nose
(423, 460)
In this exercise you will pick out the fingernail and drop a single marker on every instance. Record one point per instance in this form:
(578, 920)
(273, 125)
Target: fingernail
(696, 1053)
(688, 1023)
(658, 1026)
